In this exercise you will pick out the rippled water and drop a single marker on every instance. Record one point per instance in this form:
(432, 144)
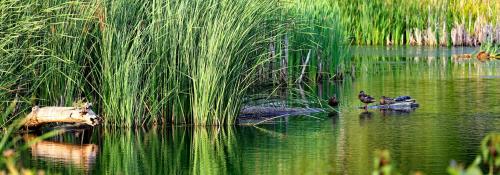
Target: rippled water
(459, 104)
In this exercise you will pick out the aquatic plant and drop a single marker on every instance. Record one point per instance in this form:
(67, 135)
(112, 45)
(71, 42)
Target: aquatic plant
(133, 58)
(43, 59)
(189, 62)
(185, 62)
(316, 40)
(493, 50)
(428, 22)
(382, 163)
(489, 149)
(11, 146)
(19, 25)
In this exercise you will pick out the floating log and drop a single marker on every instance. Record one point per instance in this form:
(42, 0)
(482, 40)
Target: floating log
(81, 115)
(262, 111)
(404, 106)
(255, 115)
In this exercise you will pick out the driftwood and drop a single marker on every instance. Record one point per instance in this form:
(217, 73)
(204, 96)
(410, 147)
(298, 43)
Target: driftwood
(81, 115)
(255, 115)
(258, 111)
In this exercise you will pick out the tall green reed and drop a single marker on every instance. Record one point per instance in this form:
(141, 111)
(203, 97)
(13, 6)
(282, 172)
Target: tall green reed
(316, 39)
(188, 62)
(43, 51)
(20, 25)
(181, 59)
(63, 71)
(124, 52)
(399, 22)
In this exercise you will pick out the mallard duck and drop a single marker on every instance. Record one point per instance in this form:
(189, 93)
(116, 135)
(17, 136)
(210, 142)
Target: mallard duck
(386, 100)
(361, 94)
(333, 102)
(366, 99)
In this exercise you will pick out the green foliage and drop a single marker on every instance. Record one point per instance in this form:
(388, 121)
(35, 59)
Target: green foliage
(20, 24)
(382, 163)
(191, 61)
(179, 150)
(43, 52)
(316, 33)
(492, 49)
(148, 62)
(373, 22)
(137, 59)
(11, 146)
(490, 151)
(472, 169)
(489, 156)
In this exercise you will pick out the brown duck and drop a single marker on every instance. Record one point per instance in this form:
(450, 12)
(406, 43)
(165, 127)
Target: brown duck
(386, 100)
(333, 102)
(483, 56)
(366, 99)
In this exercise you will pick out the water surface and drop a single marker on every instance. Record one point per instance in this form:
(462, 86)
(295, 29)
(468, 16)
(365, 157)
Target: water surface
(459, 104)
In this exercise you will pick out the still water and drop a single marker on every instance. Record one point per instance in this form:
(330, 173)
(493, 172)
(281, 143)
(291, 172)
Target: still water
(459, 104)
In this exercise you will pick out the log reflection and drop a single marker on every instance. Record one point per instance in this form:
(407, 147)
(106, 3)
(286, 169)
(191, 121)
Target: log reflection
(81, 156)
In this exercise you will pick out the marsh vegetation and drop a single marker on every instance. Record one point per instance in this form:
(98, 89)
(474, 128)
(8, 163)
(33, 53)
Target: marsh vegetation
(162, 69)
(174, 62)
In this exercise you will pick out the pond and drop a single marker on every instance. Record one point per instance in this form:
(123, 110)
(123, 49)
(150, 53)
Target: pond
(458, 107)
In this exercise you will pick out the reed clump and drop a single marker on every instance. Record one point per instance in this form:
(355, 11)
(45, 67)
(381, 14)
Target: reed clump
(316, 40)
(415, 22)
(44, 54)
(188, 62)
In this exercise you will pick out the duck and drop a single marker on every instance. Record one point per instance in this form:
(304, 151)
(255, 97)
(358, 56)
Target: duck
(404, 98)
(366, 99)
(386, 100)
(333, 102)
(483, 56)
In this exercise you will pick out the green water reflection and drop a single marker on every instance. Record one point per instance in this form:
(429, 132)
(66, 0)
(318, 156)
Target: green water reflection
(459, 104)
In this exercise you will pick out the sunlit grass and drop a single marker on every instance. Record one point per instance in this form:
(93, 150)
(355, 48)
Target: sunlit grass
(394, 22)
(188, 62)
(316, 39)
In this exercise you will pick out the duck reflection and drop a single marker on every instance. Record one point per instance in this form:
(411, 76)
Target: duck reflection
(399, 112)
(365, 117)
(334, 116)
(81, 156)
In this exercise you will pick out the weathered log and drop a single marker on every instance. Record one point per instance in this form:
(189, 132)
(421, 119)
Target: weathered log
(258, 111)
(82, 115)
(256, 115)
